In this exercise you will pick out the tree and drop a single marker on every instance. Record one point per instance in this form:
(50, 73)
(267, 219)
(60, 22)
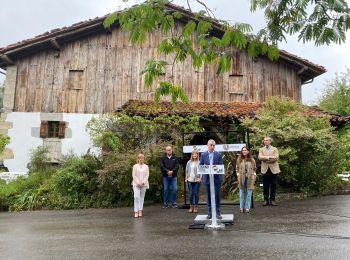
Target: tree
(311, 155)
(336, 97)
(321, 21)
(328, 22)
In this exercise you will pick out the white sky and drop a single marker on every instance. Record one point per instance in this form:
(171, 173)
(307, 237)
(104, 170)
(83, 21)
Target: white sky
(23, 19)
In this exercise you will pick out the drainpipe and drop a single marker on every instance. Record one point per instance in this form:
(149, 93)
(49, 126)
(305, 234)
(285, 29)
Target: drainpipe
(308, 82)
(301, 71)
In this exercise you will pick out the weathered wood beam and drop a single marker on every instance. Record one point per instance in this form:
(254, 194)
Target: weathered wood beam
(37, 44)
(6, 59)
(55, 44)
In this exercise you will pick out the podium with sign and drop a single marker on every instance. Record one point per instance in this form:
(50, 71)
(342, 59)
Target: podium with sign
(213, 223)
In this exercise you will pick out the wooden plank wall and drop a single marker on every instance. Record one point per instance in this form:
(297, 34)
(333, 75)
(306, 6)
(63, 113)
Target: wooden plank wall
(111, 69)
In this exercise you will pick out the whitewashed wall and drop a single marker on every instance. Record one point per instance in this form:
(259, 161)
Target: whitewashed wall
(80, 141)
(25, 136)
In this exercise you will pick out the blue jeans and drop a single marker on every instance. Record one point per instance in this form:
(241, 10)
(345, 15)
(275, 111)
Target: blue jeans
(170, 183)
(244, 202)
(217, 187)
(247, 200)
(193, 188)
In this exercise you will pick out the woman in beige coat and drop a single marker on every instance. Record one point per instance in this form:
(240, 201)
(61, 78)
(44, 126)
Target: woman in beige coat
(246, 175)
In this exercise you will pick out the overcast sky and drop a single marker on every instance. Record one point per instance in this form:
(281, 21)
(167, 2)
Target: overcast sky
(23, 19)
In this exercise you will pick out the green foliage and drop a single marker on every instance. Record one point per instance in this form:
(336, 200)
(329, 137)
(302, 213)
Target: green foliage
(310, 153)
(40, 159)
(152, 70)
(344, 138)
(136, 132)
(336, 97)
(327, 22)
(166, 88)
(75, 183)
(4, 140)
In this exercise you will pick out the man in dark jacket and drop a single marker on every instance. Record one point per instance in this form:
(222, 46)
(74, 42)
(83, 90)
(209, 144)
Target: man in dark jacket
(169, 164)
(212, 157)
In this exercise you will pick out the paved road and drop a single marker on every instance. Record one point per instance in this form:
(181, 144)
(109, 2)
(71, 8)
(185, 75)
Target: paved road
(317, 228)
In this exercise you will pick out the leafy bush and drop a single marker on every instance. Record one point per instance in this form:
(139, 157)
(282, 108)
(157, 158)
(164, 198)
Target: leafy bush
(40, 159)
(344, 137)
(75, 183)
(123, 137)
(310, 153)
(4, 140)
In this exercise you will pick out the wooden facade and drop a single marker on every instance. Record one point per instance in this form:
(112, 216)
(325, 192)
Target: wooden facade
(100, 71)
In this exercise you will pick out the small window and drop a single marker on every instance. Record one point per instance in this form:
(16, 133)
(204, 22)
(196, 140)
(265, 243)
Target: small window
(76, 79)
(52, 129)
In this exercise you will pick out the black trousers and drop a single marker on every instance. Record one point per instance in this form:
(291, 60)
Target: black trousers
(270, 181)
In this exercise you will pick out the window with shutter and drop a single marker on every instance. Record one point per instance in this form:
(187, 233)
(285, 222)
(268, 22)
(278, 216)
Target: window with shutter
(52, 129)
(61, 129)
(44, 129)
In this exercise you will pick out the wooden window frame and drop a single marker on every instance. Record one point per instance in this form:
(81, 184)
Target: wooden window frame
(52, 129)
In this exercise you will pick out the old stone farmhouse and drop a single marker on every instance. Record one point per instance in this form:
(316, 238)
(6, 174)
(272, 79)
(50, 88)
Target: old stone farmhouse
(55, 82)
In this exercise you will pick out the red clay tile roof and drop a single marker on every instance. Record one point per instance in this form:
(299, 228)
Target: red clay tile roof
(229, 110)
(236, 110)
(98, 21)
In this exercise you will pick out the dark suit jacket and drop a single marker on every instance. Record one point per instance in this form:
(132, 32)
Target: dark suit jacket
(217, 159)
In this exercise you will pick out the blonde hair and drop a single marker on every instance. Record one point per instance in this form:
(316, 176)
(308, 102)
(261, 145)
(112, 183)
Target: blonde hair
(195, 152)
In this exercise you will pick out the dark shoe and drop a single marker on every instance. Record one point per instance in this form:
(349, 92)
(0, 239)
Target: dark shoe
(165, 206)
(218, 216)
(265, 203)
(209, 217)
(273, 203)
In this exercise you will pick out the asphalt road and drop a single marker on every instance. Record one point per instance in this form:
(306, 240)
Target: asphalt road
(317, 228)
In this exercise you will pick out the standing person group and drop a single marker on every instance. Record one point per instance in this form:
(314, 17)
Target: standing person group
(245, 170)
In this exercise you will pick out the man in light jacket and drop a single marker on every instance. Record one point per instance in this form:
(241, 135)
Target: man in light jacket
(268, 155)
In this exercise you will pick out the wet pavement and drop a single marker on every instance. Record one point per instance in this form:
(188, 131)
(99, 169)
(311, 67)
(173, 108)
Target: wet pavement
(316, 228)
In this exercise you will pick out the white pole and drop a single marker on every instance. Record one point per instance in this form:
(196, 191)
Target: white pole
(214, 222)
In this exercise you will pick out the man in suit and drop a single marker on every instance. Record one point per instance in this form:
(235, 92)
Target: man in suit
(211, 157)
(268, 155)
(169, 165)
